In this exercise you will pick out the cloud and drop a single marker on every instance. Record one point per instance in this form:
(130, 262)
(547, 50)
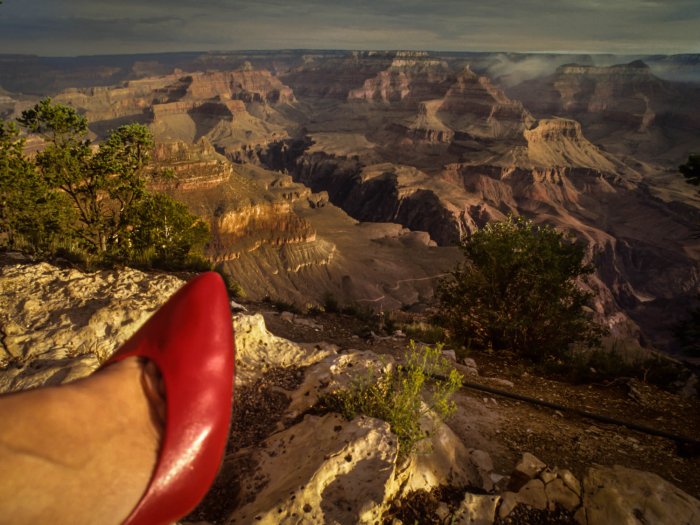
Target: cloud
(102, 26)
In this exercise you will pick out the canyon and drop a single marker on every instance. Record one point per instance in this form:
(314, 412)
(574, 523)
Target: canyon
(354, 174)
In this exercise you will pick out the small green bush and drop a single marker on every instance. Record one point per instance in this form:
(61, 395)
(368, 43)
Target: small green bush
(402, 394)
(424, 332)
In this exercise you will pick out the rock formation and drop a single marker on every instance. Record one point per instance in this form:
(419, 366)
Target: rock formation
(285, 464)
(624, 106)
(231, 109)
(430, 143)
(278, 239)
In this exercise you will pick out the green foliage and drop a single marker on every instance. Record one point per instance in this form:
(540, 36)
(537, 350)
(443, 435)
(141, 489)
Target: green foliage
(165, 225)
(517, 290)
(424, 332)
(58, 124)
(691, 170)
(103, 186)
(402, 394)
(31, 216)
(91, 203)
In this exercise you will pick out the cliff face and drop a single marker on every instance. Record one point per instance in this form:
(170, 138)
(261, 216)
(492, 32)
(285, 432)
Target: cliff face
(231, 109)
(430, 145)
(475, 106)
(246, 84)
(194, 165)
(380, 193)
(607, 89)
(409, 79)
(333, 77)
(624, 106)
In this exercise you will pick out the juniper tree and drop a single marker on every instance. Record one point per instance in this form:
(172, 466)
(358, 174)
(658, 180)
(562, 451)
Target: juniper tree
(31, 215)
(517, 289)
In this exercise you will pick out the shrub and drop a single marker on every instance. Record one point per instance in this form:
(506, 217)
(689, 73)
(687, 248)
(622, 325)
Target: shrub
(424, 332)
(165, 226)
(586, 365)
(517, 290)
(402, 394)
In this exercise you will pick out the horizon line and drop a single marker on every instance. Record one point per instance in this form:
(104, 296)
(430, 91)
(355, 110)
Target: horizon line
(350, 50)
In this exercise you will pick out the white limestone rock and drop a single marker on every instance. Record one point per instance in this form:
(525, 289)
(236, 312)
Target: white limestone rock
(441, 459)
(476, 509)
(346, 476)
(60, 324)
(626, 496)
(559, 494)
(258, 350)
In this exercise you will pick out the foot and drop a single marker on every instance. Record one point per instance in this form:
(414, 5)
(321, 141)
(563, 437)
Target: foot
(82, 452)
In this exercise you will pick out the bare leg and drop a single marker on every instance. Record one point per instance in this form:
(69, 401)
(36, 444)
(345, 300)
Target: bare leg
(82, 452)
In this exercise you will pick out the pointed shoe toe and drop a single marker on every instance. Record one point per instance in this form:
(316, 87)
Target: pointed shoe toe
(190, 339)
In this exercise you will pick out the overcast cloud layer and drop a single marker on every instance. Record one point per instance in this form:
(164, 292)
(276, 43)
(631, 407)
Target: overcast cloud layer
(86, 27)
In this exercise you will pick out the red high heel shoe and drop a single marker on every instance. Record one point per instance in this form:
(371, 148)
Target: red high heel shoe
(190, 339)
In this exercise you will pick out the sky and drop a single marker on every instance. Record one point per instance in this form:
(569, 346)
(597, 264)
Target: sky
(90, 27)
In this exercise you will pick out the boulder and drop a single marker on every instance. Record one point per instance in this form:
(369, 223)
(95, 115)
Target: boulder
(476, 509)
(558, 494)
(258, 350)
(347, 476)
(441, 459)
(627, 496)
(527, 469)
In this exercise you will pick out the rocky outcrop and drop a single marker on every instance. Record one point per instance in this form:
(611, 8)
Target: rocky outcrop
(302, 467)
(194, 166)
(623, 495)
(409, 79)
(553, 143)
(59, 324)
(352, 470)
(607, 495)
(475, 106)
(624, 106)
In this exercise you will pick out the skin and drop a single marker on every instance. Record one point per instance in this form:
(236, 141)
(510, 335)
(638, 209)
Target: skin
(82, 452)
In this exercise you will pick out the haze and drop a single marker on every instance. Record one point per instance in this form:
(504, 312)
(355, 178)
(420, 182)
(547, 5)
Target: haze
(87, 27)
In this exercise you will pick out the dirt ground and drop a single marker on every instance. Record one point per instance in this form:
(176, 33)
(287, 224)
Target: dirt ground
(506, 428)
